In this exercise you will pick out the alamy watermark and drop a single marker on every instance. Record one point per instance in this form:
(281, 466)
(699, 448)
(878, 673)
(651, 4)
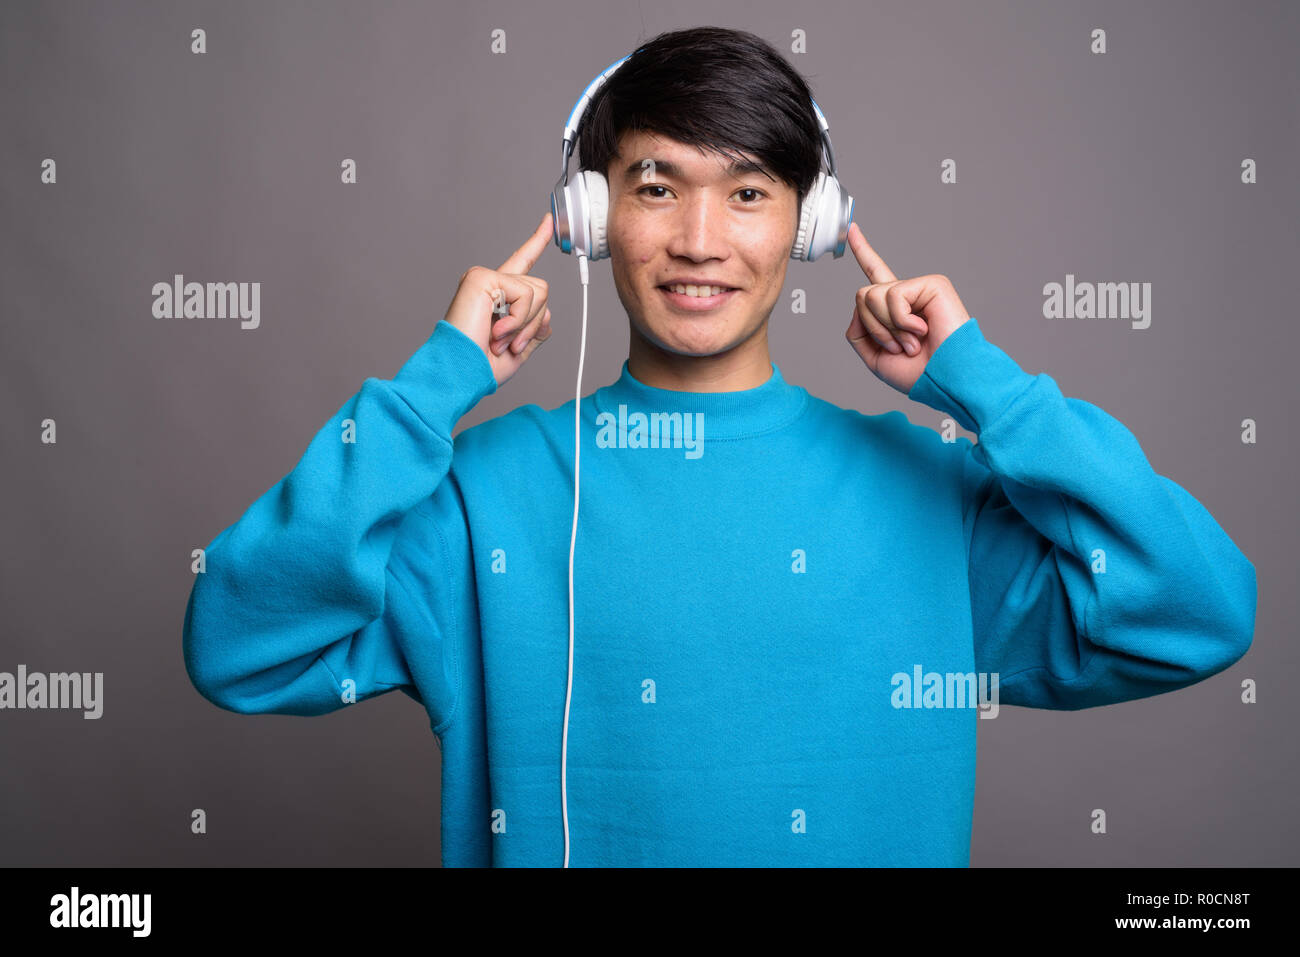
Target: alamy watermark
(1100, 300)
(78, 690)
(657, 430)
(932, 689)
(75, 909)
(179, 299)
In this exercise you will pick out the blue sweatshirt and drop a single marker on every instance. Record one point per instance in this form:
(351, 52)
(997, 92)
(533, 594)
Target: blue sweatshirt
(789, 615)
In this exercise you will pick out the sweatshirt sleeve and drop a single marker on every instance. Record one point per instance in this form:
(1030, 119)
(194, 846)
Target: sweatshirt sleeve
(1092, 578)
(313, 585)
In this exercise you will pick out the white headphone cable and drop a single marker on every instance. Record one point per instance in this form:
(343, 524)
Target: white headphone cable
(573, 536)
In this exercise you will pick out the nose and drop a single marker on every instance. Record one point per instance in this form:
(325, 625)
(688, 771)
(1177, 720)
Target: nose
(701, 228)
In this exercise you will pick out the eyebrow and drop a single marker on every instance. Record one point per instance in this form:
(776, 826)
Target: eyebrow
(673, 171)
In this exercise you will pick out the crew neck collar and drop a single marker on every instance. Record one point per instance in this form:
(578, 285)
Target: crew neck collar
(734, 414)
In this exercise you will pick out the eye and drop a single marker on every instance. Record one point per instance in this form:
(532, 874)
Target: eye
(757, 193)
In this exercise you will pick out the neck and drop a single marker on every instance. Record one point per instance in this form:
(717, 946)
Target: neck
(745, 365)
(632, 406)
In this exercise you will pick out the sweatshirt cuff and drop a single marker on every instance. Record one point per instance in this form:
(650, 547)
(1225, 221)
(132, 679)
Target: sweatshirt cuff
(445, 378)
(970, 378)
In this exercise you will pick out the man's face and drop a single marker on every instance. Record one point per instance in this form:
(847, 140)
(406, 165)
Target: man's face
(690, 215)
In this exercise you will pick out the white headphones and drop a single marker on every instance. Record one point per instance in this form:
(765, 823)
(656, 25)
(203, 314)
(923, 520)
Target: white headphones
(579, 209)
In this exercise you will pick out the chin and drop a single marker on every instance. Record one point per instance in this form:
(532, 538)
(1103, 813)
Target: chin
(698, 342)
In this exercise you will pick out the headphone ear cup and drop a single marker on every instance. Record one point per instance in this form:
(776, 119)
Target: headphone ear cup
(580, 210)
(597, 210)
(562, 218)
(807, 218)
(823, 220)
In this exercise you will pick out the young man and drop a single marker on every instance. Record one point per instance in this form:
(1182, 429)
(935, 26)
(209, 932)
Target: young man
(768, 619)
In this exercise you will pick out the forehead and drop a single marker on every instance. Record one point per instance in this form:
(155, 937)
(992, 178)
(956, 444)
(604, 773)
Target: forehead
(674, 159)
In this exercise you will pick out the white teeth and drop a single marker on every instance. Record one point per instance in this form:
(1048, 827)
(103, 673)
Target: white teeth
(698, 291)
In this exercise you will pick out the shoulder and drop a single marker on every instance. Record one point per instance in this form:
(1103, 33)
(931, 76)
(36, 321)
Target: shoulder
(890, 433)
(523, 426)
(529, 444)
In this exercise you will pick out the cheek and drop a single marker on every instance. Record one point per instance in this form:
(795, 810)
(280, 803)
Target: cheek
(632, 244)
(768, 260)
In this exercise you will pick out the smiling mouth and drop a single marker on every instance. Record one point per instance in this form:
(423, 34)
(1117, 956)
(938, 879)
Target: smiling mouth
(699, 289)
(688, 303)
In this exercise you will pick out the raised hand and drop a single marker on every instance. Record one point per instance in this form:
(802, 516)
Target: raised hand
(479, 307)
(897, 324)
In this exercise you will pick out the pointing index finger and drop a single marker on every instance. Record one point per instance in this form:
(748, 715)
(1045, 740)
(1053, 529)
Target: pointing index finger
(867, 257)
(525, 257)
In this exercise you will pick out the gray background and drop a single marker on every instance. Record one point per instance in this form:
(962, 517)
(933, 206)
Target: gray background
(225, 167)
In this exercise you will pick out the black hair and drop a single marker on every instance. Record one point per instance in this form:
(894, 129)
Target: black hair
(726, 91)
